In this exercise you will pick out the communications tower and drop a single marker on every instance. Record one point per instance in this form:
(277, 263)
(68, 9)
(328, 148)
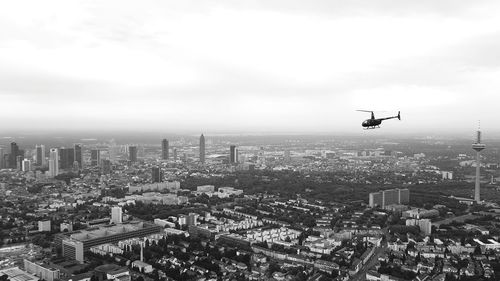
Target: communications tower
(478, 147)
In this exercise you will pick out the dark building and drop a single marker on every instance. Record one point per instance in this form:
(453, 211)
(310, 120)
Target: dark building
(79, 155)
(132, 153)
(2, 158)
(106, 166)
(233, 154)
(95, 157)
(202, 149)
(156, 174)
(40, 155)
(66, 158)
(19, 162)
(4, 161)
(164, 149)
(14, 152)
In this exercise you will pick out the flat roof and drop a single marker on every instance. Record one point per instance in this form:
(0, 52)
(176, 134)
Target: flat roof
(107, 231)
(16, 274)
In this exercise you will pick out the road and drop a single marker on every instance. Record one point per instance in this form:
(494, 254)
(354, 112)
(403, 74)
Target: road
(361, 275)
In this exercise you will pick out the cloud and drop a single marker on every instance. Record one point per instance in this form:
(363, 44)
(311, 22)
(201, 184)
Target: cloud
(275, 65)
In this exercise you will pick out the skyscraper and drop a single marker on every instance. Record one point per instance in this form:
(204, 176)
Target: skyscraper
(78, 155)
(2, 162)
(14, 152)
(478, 147)
(40, 155)
(132, 153)
(19, 162)
(26, 165)
(202, 149)
(66, 158)
(156, 175)
(233, 154)
(95, 157)
(164, 149)
(54, 162)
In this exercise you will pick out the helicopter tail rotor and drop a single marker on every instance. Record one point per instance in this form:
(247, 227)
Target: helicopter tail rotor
(399, 116)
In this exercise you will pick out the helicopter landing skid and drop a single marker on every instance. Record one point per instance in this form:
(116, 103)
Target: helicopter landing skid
(371, 128)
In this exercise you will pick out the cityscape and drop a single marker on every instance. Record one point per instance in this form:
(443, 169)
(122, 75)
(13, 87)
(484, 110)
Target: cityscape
(266, 140)
(229, 208)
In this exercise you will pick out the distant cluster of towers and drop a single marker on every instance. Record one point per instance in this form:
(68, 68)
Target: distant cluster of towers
(71, 158)
(59, 158)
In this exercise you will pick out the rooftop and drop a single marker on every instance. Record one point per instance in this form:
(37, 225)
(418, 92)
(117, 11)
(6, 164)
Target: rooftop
(106, 231)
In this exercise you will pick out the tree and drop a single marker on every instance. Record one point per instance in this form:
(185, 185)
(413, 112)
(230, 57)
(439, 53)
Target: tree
(477, 250)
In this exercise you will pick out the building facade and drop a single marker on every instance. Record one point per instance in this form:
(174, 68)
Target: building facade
(164, 149)
(202, 149)
(389, 197)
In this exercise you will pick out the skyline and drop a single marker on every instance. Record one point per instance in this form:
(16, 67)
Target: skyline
(284, 67)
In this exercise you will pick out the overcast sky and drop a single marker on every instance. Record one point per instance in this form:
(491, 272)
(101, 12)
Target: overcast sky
(249, 66)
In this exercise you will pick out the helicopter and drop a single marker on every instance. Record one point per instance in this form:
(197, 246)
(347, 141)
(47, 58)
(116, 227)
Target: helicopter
(374, 123)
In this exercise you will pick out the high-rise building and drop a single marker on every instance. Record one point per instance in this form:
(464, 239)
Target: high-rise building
(202, 149)
(4, 161)
(389, 197)
(164, 149)
(116, 215)
(78, 155)
(66, 158)
(132, 154)
(2, 158)
(14, 151)
(233, 154)
(19, 162)
(40, 155)
(175, 154)
(478, 147)
(156, 175)
(95, 157)
(26, 165)
(54, 162)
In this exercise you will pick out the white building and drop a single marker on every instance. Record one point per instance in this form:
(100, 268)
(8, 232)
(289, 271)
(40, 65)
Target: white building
(425, 225)
(68, 226)
(227, 191)
(164, 223)
(54, 162)
(26, 165)
(447, 175)
(142, 266)
(44, 225)
(42, 271)
(116, 215)
(205, 188)
(106, 249)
